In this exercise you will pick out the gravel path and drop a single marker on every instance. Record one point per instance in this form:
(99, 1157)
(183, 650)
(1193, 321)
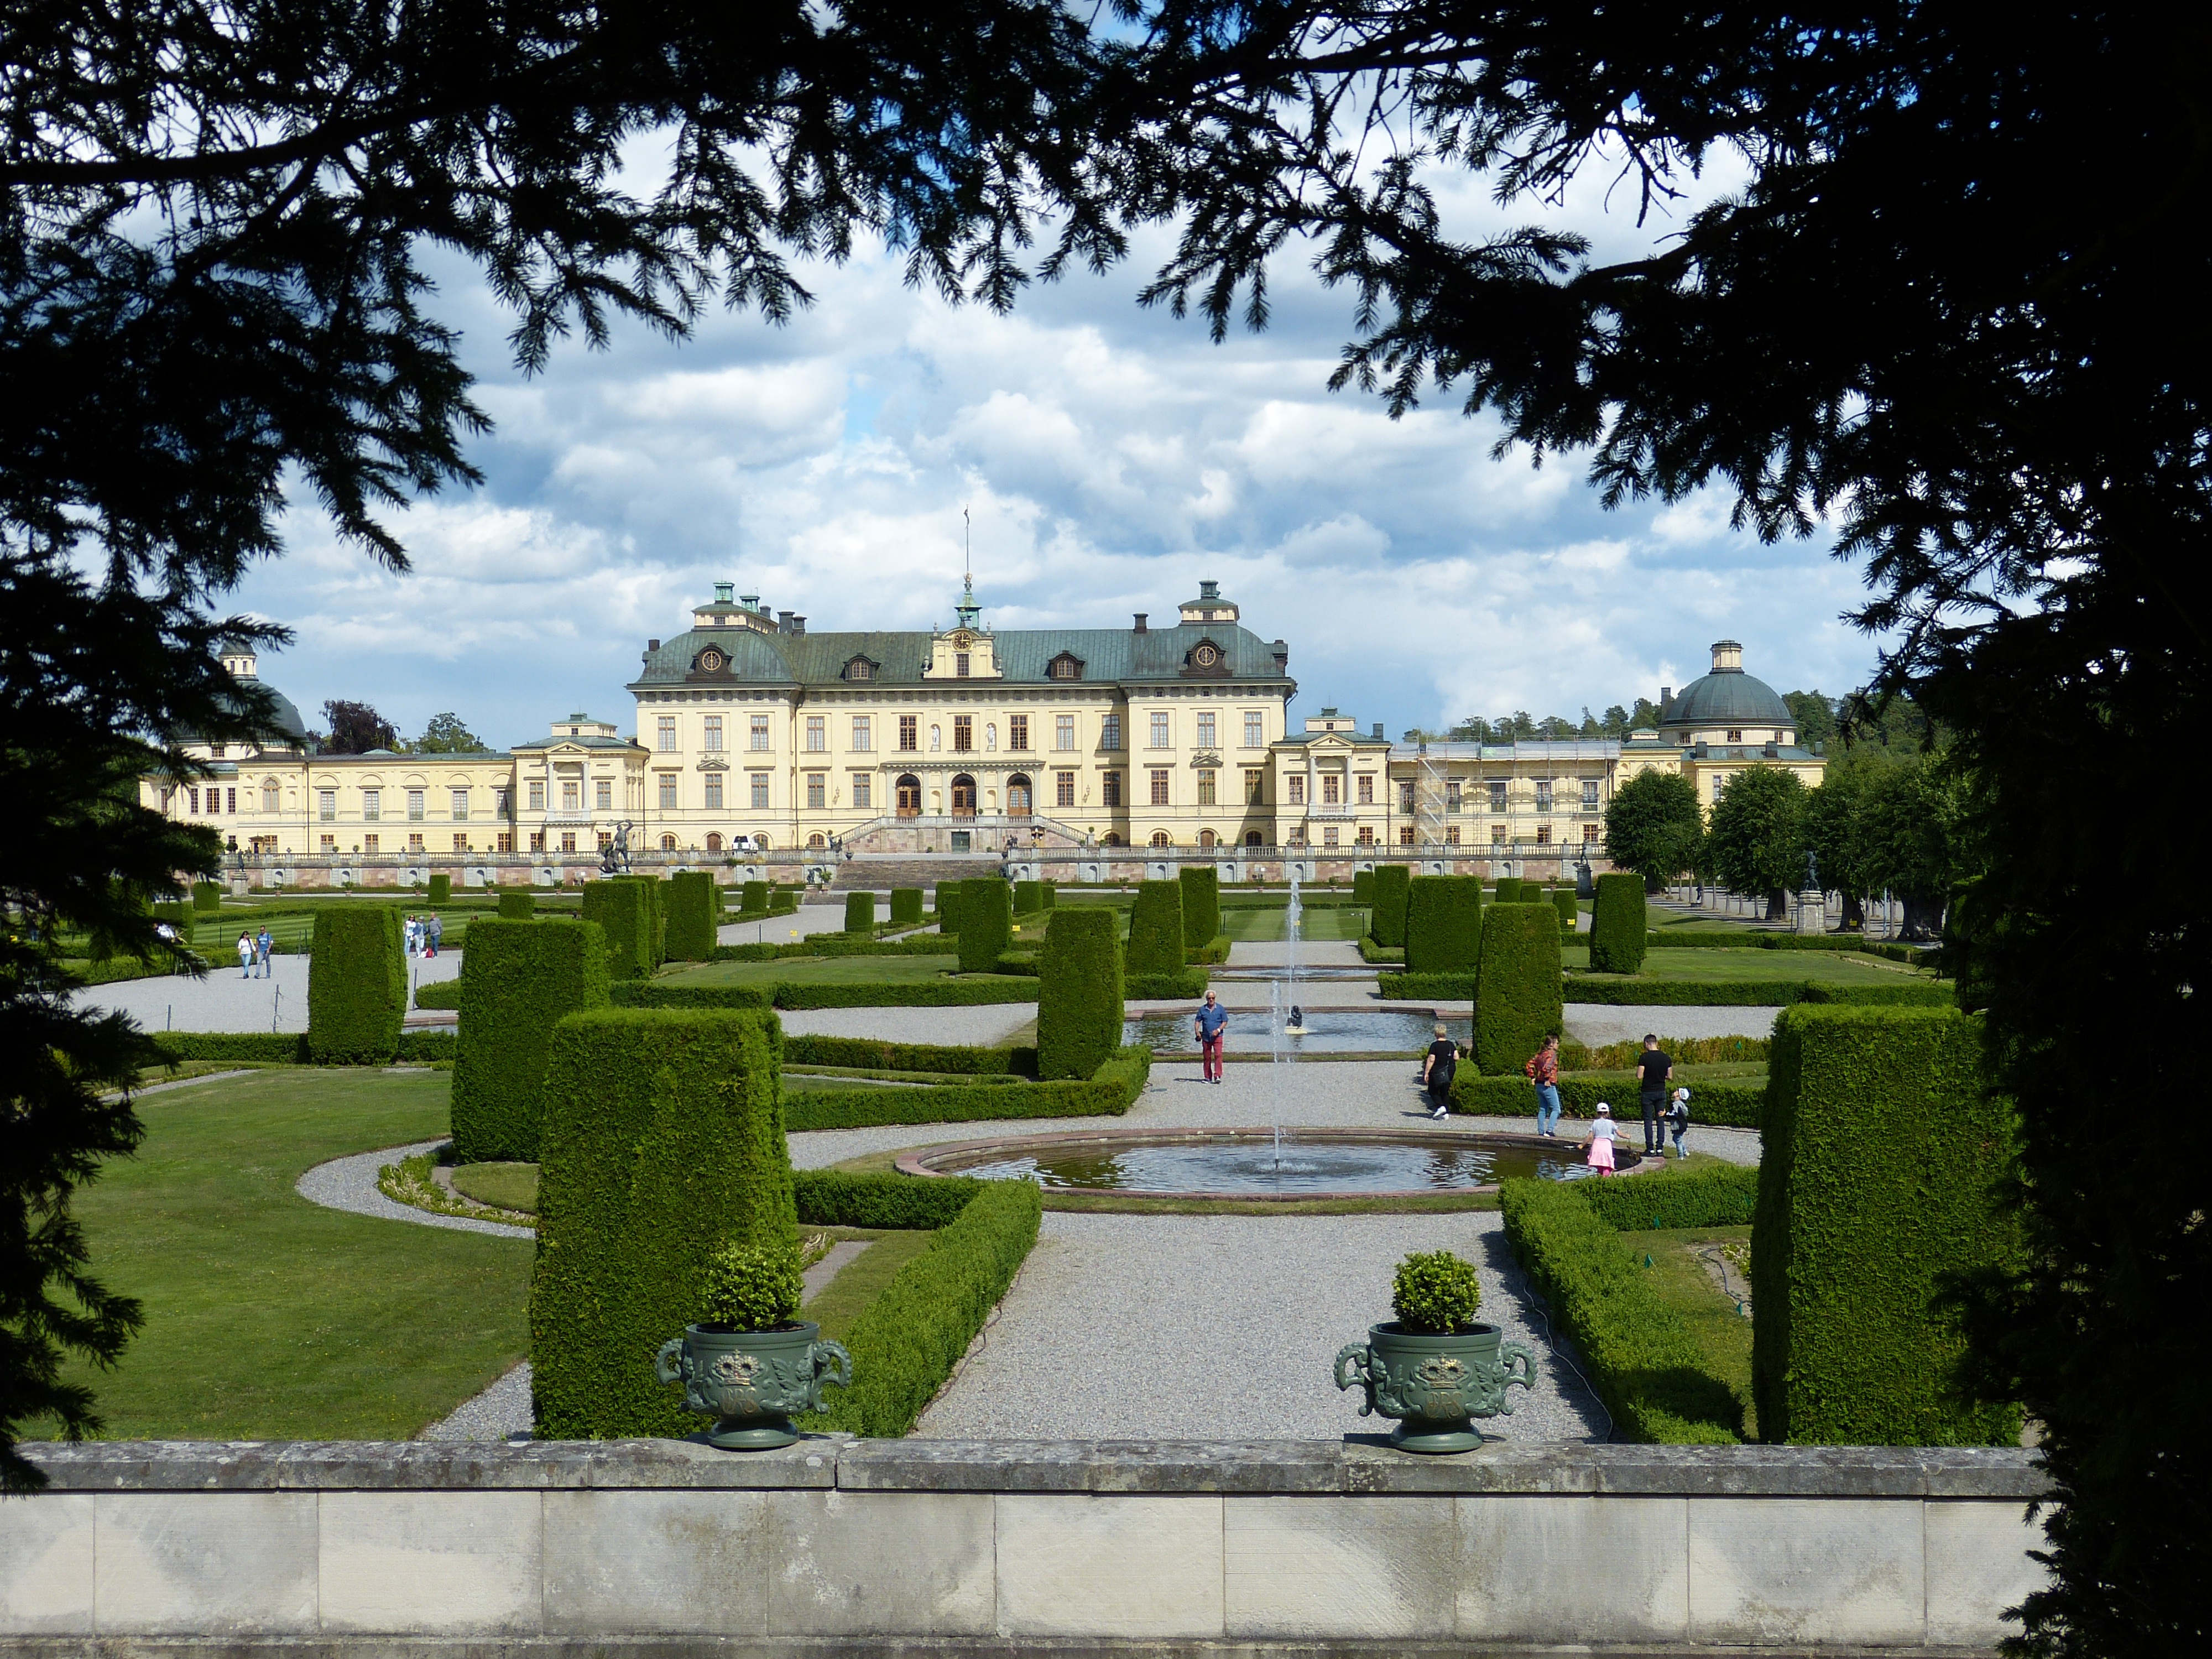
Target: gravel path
(988, 1025)
(808, 920)
(350, 1183)
(501, 1412)
(1233, 1323)
(224, 1002)
(1312, 953)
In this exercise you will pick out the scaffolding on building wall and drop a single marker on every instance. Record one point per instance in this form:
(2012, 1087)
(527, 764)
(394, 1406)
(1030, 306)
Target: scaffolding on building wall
(1429, 799)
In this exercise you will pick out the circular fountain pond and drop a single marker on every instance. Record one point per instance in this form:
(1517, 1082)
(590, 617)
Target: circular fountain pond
(1333, 1163)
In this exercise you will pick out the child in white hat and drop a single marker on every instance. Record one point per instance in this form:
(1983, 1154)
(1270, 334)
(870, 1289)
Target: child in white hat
(1599, 1142)
(1678, 1120)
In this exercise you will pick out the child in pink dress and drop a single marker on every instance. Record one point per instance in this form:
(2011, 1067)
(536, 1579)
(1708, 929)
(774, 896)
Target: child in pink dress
(1599, 1141)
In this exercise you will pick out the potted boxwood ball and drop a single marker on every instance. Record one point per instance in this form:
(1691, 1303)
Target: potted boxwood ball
(747, 1362)
(1434, 1368)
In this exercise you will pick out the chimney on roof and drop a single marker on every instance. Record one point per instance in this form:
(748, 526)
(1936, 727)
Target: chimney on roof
(723, 591)
(1665, 697)
(1209, 592)
(783, 621)
(1378, 728)
(751, 601)
(653, 645)
(1140, 628)
(798, 624)
(1282, 650)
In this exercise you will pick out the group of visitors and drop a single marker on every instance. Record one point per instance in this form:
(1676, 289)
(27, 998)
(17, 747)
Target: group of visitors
(423, 933)
(254, 951)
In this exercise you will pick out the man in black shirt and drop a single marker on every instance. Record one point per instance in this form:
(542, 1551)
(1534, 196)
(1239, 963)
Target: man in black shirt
(1437, 1068)
(1658, 1070)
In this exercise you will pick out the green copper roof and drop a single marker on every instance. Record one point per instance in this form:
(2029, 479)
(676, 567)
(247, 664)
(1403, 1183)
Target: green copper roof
(1727, 698)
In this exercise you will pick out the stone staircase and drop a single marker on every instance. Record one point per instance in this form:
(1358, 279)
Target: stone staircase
(880, 872)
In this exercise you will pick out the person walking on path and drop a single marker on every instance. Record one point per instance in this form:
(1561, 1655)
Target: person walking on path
(1678, 1120)
(245, 956)
(437, 932)
(1438, 1066)
(1209, 1024)
(1597, 1145)
(264, 947)
(1543, 1070)
(1657, 1070)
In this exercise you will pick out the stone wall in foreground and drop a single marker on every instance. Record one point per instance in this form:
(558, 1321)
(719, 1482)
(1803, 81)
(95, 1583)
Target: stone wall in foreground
(860, 1547)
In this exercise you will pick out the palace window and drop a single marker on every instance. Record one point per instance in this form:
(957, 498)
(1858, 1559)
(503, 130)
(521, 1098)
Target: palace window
(666, 728)
(1451, 794)
(1065, 667)
(1110, 732)
(268, 799)
(537, 794)
(859, 668)
(1367, 834)
(602, 794)
(818, 733)
(1206, 789)
(760, 732)
(960, 665)
(667, 792)
(1736, 737)
(230, 800)
(864, 734)
(1160, 730)
(1328, 834)
(501, 799)
(1406, 835)
(1405, 795)
(372, 804)
(1296, 794)
(1018, 732)
(1063, 732)
(668, 843)
(1497, 834)
(506, 841)
(863, 792)
(1063, 789)
(713, 737)
(758, 790)
(1717, 782)
(1543, 835)
(1206, 729)
(1498, 795)
(963, 733)
(415, 805)
(1109, 787)
(368, 845)
(607, 839)
(1255, 788)
(1543, 795)
(1159, 786)
(568, 841)
(909, 732)
(460, 804)
(461, 842)
(1589, 794)
(538, 841)
(1367, 789)
(1451, 835)
(1255, 729)
(1589, 835)
(1332, 789)
(817, 791)
(572, 796)
(713, 782)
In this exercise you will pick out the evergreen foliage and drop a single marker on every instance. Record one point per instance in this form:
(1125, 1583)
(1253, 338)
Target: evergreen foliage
(356, 985)
(207, 898)
(663, 1142)
(1619, 926)
(1028, 897)
(906, 906)
(623, 907)
(518, 980)
(753, 899)
(948, 906)
(441, 888)
(1509, 890)
(833, 1198)
(517, 904)
(1756, 841)
(987, 922)
(692, 915)
(1851, 1255)
(860, 913)
(1516, 998)
(1202, 905)
(1392, 882)
(1156, 936)
(1564, 902)
(1443, 924)
(1653, 826)
(1363, 888)
(1080, 1007)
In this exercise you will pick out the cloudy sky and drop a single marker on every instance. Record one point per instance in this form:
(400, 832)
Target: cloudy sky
(1110, 458)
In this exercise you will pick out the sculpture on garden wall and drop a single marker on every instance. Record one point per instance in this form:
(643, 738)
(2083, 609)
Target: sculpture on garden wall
(614, 859)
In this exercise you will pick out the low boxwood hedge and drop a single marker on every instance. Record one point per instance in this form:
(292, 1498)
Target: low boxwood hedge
(290, 1047)
(942, 993)
(1215, 950)
(1727, 1105)
(875, 1056)
(357, 986)
(906, 1344)
(1640, 1358)
(831, 1198)
(1109, 1093)
(650, 994)
(446, 993)
(1753, 994)
(1164, 988)
(1719, 1195)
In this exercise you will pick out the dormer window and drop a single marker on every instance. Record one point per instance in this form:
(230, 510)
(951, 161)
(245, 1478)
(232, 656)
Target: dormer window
(1065, 666)
(860, 668)
(1206, 657)
(712, 660)
(960, 665)
(1735, 736)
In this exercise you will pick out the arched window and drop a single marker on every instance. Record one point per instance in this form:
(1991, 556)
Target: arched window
(1110, 839)
(1206, 838)
(1018, 796)
(1252, 838)
(909, 791)
(817, 842)
(668, 843)
(964, 796)
(713, 842)
(1159, 838)
(760, 843)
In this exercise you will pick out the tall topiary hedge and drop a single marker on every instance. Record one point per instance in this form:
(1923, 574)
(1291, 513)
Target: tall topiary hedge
(1156, 929)
(1618, 926)
(1562, 901)
(357, 986)
(1392, 884)
(623, 907)
(1880, 1156)
(1363, 888)
(441, 888)
(1201, 906)
(663, 1140)
(1509, 890)
(1051, 895)
(752, 899)
(860, 913)
(1028, 897)
(1078, 995)
(906, 906)
(518, 980)
(987, 922)
(517, 904)
(1443, 924)
(691, 917)
(207, 898)
(1516, 991)
(948, 906)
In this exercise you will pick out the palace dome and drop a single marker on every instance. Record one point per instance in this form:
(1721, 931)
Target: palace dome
(1727, 696)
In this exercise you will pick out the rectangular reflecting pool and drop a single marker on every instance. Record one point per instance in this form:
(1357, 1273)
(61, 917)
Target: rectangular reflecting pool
(1339, 1031)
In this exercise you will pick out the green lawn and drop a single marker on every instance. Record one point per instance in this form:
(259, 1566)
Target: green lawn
(1327, 922)
(270, 1318)
(1681, 1281)
(823, 970)
(1781, 967)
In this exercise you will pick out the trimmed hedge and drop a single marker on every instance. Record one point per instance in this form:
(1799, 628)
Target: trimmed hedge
(987, 922)
(1509, 890)
(1725, 1195)
(692, 916)
(1202, 905)
(1641, 1358)
(1618, 926)
(1753, 993)
(1156, 944)
(207, 898)
(1079, 995)
(1028, 897)
(357, 986)
(1363, 888)
(1880, 1158)
(520, 979)
(1388, 924)
(958, 1060)
(1164, 988)
(954, 1103)
(1562, 901)
(1051, 895)
(441, 888)
(906, 1344)
(517, 904)
(860, 913)
(623, 907)
(446, 993)
(949, 895)
(644, 993)
(1415, 988)
(1517, 998)
(752, 899)
(1443, 924)
(1216, 948)
(906, 907)
(1719, 1104)
(831, 1198)
(926, 994)
(285, 1047)
(662, 1142)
